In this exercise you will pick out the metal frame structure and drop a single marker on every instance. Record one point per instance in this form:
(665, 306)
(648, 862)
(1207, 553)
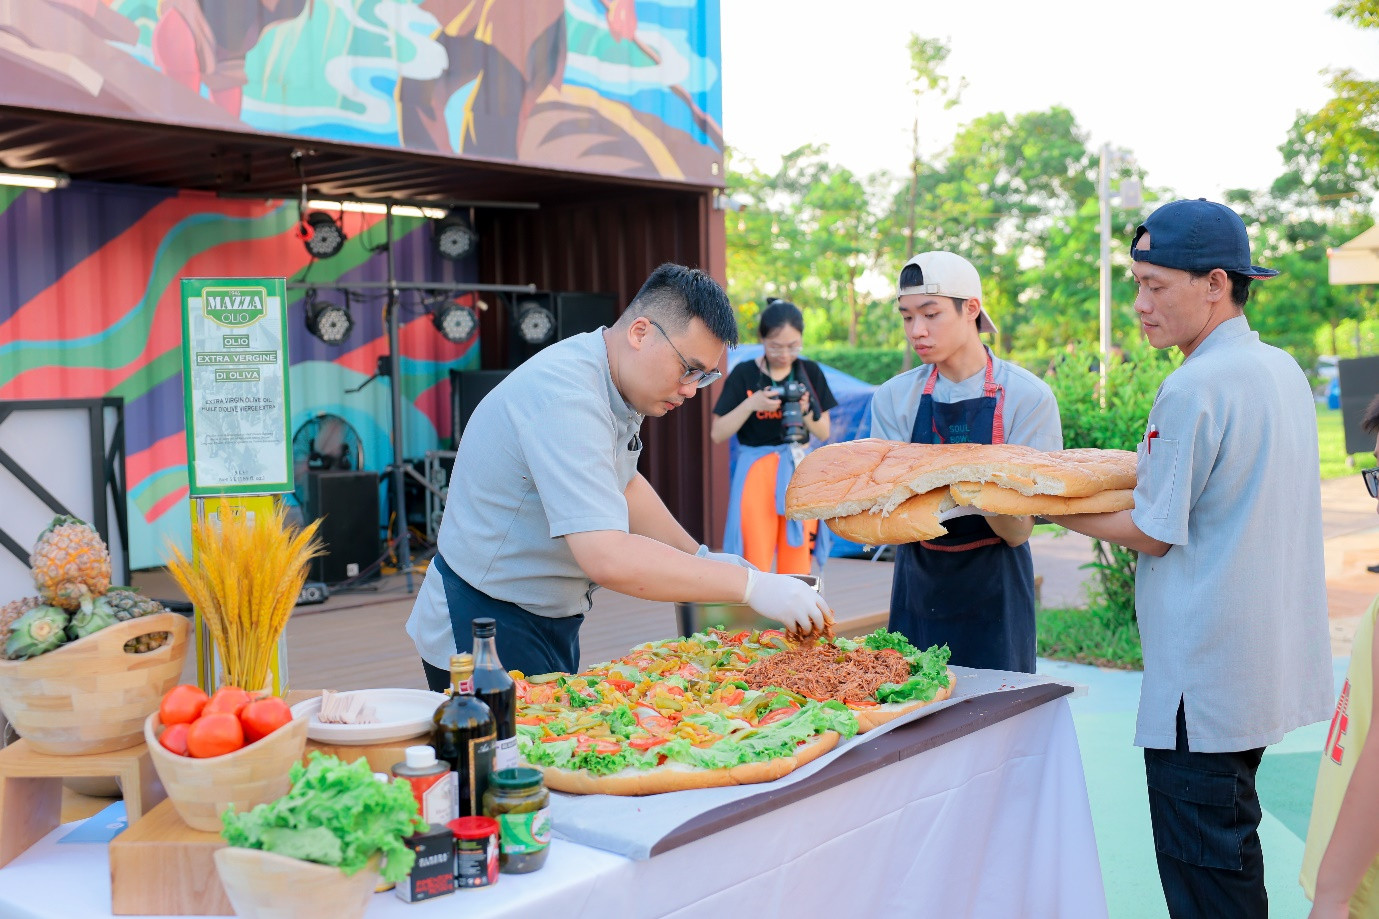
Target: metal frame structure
(107, 471)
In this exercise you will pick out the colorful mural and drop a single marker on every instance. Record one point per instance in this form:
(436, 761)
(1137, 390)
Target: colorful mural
(623, 87)
(89, 306)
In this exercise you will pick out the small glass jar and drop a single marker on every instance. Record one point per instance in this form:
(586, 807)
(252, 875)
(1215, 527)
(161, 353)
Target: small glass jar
(519, 801)
(476, 851)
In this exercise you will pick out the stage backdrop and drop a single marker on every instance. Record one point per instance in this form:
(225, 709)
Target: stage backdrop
(614, 87)
(89, 306)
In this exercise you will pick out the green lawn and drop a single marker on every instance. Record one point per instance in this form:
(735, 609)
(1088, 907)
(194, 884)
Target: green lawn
(1331, 443)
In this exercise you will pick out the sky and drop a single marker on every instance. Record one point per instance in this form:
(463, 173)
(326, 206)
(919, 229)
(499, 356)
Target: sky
(1202, 92)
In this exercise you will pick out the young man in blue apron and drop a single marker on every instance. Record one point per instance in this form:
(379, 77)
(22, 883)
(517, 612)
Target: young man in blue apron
(546, 504)
(972, 589)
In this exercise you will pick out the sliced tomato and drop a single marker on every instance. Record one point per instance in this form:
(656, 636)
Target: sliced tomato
(673, 689)
(620, 685)
(689, 672)
(532, 720)
(589, 744)
(731, 696)
(779, 714)
(737, 638)
(551, 738)
(656, 724)
(860, 703)
(771, 633)
(646, 743)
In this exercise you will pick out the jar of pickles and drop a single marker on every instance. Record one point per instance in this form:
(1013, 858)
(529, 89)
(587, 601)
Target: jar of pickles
(519, 801)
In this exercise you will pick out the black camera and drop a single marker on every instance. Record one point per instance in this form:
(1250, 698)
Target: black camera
(791, 418)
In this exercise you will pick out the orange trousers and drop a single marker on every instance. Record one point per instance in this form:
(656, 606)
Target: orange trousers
(763, 530)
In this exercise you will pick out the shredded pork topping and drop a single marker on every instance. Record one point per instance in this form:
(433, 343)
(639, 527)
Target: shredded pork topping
(829, 673)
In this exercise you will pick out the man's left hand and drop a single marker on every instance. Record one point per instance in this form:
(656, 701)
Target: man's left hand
(725, 557)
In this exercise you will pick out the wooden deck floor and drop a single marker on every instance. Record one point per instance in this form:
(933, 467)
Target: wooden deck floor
(358, 640)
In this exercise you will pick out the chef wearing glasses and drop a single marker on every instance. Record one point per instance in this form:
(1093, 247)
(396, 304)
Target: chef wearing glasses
(546, 504)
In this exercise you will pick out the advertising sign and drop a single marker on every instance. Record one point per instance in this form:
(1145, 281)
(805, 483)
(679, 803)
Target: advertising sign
(235, 380)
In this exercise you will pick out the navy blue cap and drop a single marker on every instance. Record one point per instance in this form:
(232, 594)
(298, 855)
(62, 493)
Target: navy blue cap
(1197, 235)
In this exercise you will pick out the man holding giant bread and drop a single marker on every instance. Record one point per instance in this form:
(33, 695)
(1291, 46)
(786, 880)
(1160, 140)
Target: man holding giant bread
(546, 504)
(1230, 587)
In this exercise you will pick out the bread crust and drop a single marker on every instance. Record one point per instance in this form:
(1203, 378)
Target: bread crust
(989, 497)
(872, 475)
(679, 777)
(916, 518)
(871, 718)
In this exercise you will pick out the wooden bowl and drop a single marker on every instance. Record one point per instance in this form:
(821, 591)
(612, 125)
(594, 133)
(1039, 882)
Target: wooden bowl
(90, 695)
(201, 789)
(265, 885)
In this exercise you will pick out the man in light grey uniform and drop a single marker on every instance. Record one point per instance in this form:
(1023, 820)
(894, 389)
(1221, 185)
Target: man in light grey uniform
(1230, 589)
(546, 503)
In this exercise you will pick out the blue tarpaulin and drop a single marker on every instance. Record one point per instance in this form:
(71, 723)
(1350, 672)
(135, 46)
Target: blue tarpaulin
(849, 420)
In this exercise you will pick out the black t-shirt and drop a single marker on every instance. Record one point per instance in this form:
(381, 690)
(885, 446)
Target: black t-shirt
(763, 429)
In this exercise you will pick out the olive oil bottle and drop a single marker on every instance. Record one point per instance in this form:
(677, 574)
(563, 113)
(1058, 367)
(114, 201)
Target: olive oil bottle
(496, 689)
(463, 735)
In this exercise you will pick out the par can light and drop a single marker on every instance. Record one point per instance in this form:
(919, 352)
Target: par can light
(321, 235)
(327, 321)
(455, 321)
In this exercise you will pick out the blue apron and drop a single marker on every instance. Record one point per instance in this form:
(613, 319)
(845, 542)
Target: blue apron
(527, 642)
(966, 589)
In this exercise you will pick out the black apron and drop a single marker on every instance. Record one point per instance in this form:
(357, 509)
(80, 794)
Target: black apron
(527, 642)
(966, 589)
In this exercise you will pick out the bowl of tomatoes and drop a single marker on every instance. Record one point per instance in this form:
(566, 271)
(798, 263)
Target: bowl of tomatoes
(228, 748)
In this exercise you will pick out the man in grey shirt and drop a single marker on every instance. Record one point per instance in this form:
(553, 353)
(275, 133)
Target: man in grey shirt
(546, 503)
(1230, 589)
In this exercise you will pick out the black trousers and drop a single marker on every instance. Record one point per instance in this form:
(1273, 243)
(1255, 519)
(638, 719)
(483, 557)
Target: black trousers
(1205, 813)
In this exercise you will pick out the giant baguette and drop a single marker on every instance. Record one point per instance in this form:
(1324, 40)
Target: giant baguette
(878, 476)
(997, 500)
(916, 518)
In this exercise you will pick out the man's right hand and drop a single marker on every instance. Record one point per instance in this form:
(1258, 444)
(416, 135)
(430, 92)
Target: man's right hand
(786, 599)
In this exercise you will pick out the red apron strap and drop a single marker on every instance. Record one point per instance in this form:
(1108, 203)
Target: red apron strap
(990, 389)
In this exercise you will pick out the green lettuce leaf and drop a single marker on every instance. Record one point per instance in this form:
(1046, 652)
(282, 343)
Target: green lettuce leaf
(364, 815)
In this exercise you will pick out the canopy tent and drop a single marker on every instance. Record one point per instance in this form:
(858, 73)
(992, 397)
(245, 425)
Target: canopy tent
(1356, 261)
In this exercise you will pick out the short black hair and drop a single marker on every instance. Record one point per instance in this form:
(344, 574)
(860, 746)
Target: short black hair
(913, 275)
(1240, 285)
(1370, 422)
(779, 313)
(674, 294)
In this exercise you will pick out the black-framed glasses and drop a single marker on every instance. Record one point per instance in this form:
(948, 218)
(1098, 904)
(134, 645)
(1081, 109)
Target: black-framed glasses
(1371, 477)
(700, 378)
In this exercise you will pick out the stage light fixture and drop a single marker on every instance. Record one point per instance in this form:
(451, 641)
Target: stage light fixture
(455, 321)
(535, 322)
(43, 181)
(321, 235)
(455, 237)
(326, 320)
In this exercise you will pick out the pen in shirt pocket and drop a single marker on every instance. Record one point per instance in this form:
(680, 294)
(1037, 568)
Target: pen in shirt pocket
(1149, 436)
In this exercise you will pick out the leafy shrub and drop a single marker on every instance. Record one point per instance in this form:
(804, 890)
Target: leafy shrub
(870, 365)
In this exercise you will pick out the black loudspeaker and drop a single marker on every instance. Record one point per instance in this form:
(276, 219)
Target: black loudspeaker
(467, 389)
(580, 312)
(346, 503)
(1359, 377)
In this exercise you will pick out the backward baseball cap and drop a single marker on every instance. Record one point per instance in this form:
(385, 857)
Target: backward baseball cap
(1197, 235)
(948, 274)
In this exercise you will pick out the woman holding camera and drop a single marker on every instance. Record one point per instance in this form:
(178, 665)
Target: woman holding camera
(773, 404)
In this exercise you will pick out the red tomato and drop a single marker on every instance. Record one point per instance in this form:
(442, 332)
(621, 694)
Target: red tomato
(620, 685)
(656, 724)
(737, 638)
(689, 672)
(227, 699)
(779, 714)
(264, 716)
(182, 704)
(174, 738)
(214, 735)
(532, 720)
(731, 696)
(646, 743)
(672, 689)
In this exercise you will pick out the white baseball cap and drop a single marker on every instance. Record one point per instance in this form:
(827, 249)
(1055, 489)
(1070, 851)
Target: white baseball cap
(948, 275)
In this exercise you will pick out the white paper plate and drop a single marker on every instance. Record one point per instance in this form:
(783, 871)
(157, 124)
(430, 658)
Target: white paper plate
(402, 714)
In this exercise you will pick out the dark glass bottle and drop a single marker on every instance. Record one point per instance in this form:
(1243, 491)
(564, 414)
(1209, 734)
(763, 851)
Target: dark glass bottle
(462, 733)
(496, 689)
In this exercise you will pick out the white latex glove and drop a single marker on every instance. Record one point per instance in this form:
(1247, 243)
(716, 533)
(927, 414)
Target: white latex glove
(728, 557)
(786, 599)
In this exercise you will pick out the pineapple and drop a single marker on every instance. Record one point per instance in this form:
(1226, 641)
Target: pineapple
(70, 562)
(12, 611)
(127, 603)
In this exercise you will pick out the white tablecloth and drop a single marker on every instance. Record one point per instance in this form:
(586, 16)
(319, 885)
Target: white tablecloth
(995, 823)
